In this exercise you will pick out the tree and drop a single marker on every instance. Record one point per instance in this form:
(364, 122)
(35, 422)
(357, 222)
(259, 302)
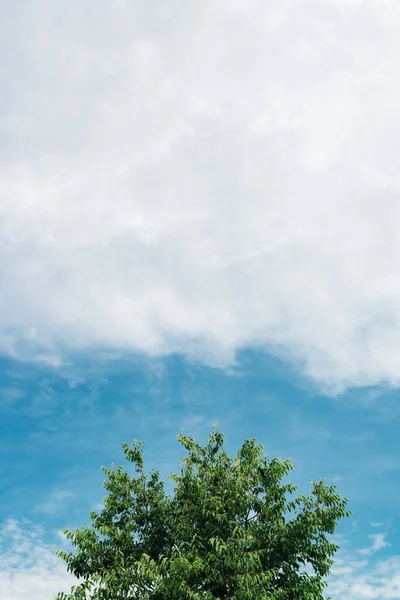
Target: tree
(229, 532)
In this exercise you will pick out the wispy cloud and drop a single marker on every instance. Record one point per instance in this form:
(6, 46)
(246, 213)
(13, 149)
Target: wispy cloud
(356, 579)
(378, 542)
(54, 502)
(29, 567)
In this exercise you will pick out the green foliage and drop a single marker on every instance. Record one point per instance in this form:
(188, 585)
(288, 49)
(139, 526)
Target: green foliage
(228, 532)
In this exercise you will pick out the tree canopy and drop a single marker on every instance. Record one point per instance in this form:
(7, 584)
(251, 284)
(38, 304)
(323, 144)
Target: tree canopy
(232, 530)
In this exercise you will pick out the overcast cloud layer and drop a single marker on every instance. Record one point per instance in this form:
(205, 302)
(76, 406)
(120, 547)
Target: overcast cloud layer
(200, 176)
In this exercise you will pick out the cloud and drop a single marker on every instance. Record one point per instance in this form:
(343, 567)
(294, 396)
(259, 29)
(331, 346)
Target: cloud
(378, 542)
(55, 502)
(29, 567)
(200, 177)
(356, 580)
(11, 395)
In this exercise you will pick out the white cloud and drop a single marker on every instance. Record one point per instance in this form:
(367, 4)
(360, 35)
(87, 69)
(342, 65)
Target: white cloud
(29, 567)
(378, 542)
(369, 578)
(197, 177)
(54, 502)
(356, 580)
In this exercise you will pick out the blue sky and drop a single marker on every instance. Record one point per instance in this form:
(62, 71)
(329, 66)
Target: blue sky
(199, 209)
(58, 427)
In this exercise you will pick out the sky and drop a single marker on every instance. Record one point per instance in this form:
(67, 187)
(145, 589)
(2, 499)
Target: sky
(199, 207)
